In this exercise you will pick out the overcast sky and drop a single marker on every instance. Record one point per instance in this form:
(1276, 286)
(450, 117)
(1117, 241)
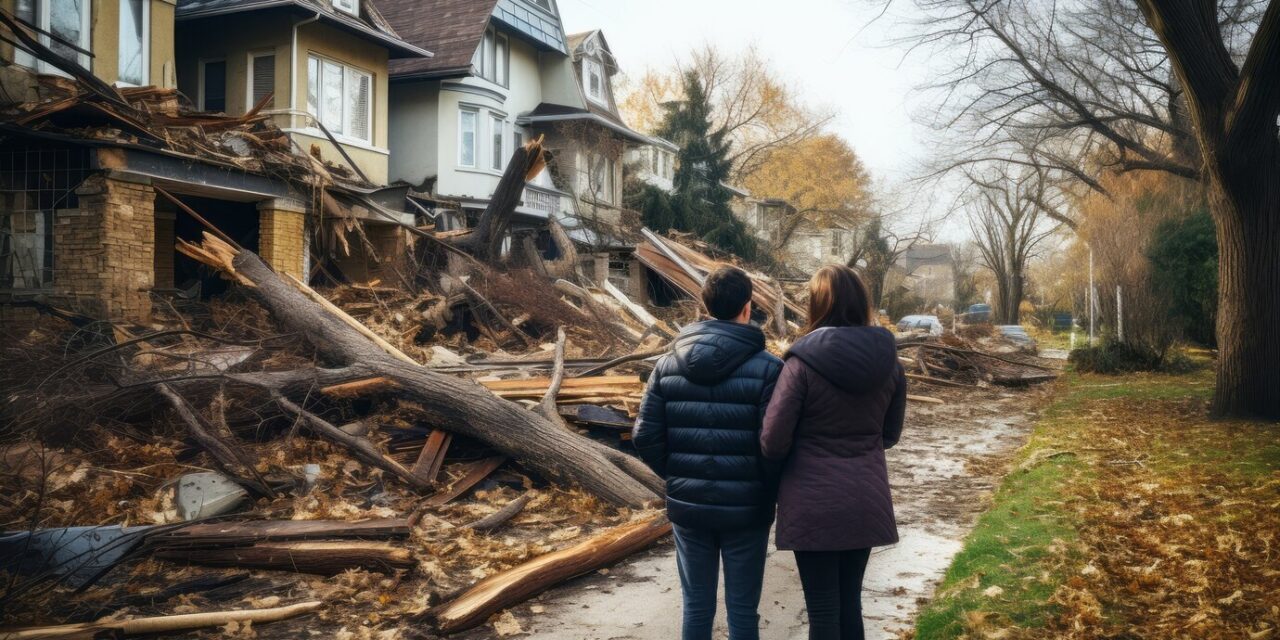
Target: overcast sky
(835, 51)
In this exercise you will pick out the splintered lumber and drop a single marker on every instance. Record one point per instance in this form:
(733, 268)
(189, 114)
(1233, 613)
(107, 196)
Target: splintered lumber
(475, 473)
(351, 322)
(531, 578)
(232, 458)
(160, 624)
(571, 390)
(647, 319)
(319, 557)
(346, 354)
(427, 468)
(938, 381)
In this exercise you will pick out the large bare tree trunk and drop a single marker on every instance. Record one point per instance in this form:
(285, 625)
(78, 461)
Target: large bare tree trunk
(1248, 223)
(1235, 111)
(457, 405)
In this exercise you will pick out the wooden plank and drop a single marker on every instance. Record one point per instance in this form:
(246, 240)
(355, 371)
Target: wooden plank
(226, 533)
(570, 383)
(160, 624)
(475, 473)
(647, 319)
(432, 456)
(531, 578)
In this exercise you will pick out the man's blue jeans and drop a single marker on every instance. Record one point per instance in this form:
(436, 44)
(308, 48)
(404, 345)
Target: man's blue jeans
(698, 554)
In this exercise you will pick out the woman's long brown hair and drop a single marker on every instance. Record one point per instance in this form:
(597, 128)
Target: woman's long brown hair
(838, 298)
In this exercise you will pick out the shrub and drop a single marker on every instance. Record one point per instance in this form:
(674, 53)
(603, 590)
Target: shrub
(1114, 357)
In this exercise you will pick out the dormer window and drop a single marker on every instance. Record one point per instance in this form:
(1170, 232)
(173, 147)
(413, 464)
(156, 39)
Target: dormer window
(348, 6)
(593, 81)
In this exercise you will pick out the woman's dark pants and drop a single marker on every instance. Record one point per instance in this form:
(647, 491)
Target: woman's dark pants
(832, 582)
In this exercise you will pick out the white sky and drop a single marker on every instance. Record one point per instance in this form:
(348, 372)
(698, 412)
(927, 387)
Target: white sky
(834, 51)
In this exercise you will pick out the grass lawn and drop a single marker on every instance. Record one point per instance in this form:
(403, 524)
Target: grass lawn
(1129, 514)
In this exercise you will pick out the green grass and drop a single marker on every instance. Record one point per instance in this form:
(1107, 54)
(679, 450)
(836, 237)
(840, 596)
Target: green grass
(1013, 547)
(1027, 543)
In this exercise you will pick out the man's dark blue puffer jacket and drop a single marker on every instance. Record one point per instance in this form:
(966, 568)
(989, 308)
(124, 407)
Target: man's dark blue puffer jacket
(699, 426)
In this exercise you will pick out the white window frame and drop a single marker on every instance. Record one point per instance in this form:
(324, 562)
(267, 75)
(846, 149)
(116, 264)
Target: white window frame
(498, 163)
(347, 69)
(146, 46)
(43, 21)
(588, 64)
(350, 7)
(475, 138)
(203, 62)
(252, 63)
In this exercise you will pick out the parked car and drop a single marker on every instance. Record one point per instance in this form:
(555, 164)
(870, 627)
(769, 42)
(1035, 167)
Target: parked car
(929, 324)
(1017, 335)
(976, 314)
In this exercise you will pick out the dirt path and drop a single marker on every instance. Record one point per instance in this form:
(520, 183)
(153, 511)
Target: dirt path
(948, 461)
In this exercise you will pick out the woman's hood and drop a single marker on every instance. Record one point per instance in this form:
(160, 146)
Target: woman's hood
(854, 359)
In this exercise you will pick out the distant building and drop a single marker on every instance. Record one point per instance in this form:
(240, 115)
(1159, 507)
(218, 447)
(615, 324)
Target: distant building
(797, 241)
(655, 164)
(930, 274)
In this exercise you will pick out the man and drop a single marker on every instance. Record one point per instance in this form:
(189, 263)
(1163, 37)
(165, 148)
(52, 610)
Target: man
(699, 428)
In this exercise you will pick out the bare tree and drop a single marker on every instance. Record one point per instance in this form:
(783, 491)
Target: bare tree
(1009, 221)
(1188, 87)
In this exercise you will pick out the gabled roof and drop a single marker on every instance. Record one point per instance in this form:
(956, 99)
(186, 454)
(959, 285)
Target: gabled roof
(453, 30)
(579, 41)
(370, 25)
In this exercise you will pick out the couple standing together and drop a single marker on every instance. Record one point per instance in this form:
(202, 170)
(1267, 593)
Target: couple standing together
(735, 431)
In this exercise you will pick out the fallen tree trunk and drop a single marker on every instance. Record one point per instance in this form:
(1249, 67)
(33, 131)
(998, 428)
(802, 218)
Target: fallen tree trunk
(531, 578)
(325, 558)
(466, 407)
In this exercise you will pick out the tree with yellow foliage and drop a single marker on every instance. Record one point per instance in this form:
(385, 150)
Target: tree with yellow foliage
(822, 177)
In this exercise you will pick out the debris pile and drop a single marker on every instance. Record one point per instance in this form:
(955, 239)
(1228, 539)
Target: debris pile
(438, 445)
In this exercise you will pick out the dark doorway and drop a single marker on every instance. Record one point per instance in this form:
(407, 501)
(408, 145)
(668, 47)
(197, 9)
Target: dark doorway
(236, 219)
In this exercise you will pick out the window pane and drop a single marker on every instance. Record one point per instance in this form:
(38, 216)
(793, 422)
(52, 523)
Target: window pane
(264, 80)
(467, 139)
(131, 44)
(65, 18)
(500, 59)
(215, 86)
(358, 104)
(490, 55)
(313, 86)
(497, 131)
(331, 82)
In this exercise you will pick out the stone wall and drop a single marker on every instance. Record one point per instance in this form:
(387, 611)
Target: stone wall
(282, 236)
(104, 252)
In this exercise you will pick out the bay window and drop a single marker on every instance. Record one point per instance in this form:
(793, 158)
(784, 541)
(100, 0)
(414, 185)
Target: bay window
(498, 131)
(66, 19)
(135, 45)
(468, 121)
(339, 97)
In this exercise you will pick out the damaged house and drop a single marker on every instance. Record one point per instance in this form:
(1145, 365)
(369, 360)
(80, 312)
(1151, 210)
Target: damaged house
(796, 240)
(96, 189)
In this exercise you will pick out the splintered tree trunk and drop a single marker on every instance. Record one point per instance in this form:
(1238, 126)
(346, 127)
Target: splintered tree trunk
(460, 405)
(1246, 209)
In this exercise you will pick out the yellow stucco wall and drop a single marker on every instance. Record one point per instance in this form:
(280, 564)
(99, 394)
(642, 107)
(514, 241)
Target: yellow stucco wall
(104, 40)
(234, 38)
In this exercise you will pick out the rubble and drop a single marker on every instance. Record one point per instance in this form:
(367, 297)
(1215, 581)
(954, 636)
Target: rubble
(444, 446)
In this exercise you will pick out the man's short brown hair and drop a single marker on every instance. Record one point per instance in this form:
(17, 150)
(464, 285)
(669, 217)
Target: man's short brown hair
(726, 292)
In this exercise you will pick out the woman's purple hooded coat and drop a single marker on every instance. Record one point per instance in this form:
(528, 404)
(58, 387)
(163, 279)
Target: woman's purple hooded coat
(838, 405)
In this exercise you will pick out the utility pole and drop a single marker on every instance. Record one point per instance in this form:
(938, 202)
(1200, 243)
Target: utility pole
(1093, 296)
(1119, 315)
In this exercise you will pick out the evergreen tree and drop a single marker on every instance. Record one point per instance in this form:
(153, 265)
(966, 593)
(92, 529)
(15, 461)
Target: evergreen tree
(701, 202)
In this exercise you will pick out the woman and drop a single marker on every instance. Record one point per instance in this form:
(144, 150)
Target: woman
(837, 406)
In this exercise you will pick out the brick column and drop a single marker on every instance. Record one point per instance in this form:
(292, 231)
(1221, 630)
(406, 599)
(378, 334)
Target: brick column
(282, 235)
(104, 252)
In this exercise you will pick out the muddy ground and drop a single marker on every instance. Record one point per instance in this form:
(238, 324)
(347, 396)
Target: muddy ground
(949, 461)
